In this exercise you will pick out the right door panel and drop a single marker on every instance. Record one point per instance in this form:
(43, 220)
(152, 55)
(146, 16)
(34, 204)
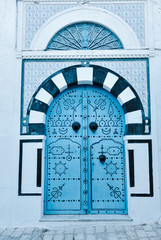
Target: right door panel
(107, 159)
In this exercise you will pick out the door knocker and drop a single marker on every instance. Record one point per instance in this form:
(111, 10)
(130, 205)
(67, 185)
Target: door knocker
(102, 158)
(76, 126)
(93, 126)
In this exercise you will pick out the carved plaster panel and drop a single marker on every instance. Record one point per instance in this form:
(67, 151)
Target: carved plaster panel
(135, 72)
(132, 14)
(157, 26)
(38, 14)
(36, 71)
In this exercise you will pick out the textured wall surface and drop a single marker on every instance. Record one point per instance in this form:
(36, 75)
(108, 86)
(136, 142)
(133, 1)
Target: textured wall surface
(157, 24)
(9, 101)
(26, 210)
(37, 14)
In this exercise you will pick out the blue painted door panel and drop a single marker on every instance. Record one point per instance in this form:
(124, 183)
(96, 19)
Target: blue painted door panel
(64, 175)
(84, 158)
(63, 166)
(106, 154)
(108, 190)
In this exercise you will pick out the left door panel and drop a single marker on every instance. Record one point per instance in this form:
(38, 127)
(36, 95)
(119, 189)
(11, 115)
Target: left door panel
(63, 155)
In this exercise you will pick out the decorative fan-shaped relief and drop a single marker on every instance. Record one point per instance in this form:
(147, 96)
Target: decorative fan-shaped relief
(84, 36)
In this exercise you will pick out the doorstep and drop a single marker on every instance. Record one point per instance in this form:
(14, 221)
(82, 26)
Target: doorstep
(93, 217)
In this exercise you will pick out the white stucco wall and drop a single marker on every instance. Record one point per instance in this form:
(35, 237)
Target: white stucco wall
(9, 102)
(26, 211)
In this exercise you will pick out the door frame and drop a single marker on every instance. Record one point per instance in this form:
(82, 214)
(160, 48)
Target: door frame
(98, 76)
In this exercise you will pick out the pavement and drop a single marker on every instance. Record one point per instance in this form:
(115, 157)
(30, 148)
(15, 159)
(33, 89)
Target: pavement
(92, 232)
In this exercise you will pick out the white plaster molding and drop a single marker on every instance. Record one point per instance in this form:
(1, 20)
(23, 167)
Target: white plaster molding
(32, 137)
(141, 167)
(36, 117)
(133, 117)
(86, 54)
(60, 82)
(110, 81)
(85, 75)
(137, 137)
(85, 13)
(29, 167)
(125, 96)
(44, 96)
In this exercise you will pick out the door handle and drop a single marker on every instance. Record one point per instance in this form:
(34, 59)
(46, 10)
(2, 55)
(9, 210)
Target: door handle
(102, 158)
(93, 126)
(76, 126)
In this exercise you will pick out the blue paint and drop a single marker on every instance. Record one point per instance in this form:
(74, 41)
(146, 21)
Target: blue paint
(84, 167)
(119, 86)
(39, 106)
(84, 36)
(50, 87)
(99, 75)
(132, 105)
(70, 76)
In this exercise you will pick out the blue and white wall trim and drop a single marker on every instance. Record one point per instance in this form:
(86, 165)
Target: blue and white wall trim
(91, 75)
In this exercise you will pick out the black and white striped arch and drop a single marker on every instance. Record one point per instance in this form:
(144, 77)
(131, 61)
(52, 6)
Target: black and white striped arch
(93, 75)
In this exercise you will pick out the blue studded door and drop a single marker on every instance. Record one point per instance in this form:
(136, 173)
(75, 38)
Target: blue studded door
(84, 154)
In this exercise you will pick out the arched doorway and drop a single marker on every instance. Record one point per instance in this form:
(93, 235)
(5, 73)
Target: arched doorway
(85, 170)
(100, 83)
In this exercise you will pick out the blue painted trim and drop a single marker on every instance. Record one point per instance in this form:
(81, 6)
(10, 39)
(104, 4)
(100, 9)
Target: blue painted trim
(99, 75)
(22, 96)
(36, 129)
(132, 105)
(51, 88)
(70, 76)
(138, 129)
(39, 106)
(119, 86)
(148, 94)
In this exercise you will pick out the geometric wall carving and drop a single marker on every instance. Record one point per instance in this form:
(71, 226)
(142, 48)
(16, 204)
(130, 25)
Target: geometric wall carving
(91, 75)
(36, 71)
(37, 14)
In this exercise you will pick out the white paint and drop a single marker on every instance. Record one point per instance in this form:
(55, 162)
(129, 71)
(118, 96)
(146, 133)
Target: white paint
(133, 117)
(18, 211)
(85, 13)
(85, 75)
(125, 96)
(36, 117)
(44, 96)
(29, 167)
(60, 82)
(110, 81)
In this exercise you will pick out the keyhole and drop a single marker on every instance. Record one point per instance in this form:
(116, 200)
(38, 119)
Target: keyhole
(102, 158)
(76, 126)
(93, 126)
